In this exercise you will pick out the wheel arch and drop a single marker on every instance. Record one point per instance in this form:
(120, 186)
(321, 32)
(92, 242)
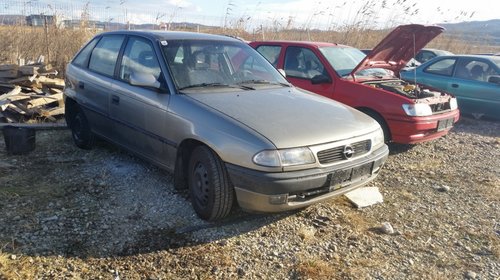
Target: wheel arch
(184, 151)
(71, 107)
(380, 119)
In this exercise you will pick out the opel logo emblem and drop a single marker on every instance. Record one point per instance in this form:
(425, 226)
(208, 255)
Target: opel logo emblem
(348, 152)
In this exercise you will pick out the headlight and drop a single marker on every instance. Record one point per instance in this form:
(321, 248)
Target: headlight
(453, 104)
(285, 157)
(378, 138)
(417, 110)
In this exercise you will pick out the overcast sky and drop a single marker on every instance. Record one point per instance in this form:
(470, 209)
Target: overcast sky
(295, 13)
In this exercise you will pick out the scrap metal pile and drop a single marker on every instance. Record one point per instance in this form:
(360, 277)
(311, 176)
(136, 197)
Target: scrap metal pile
(30, 93)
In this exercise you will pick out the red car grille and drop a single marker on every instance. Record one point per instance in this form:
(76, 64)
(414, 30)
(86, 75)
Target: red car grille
(439, 107)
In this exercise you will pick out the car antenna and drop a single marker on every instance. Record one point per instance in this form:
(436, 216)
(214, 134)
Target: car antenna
(415, 67)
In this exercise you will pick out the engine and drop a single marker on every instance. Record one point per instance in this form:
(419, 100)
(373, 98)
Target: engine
(404, 88)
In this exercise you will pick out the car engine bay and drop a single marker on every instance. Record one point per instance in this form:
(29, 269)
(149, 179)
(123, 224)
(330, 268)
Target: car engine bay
(404, 88)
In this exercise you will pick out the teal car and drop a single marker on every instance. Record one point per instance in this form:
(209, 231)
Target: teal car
(473, 79)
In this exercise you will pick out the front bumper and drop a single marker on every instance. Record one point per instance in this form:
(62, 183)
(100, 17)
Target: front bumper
(274, 192)
(412, 130)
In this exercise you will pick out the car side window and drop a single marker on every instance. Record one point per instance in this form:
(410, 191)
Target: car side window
(302, 63)
(105, 54)
(139, 57)
(478, 70)
(442, 67)
(423, 56)
(250, 64)
(82, 58)
(471, 69)
(271, 53)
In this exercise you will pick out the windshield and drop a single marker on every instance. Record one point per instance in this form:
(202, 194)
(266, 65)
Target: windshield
(495, 60)
(209, 64)
(342, 59)
(345, 59)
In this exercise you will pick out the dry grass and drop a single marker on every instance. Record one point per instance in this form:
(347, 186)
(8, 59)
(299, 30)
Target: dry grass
(57, 45)
(19, 268)
(307, 233)
(315, 269)
(354, 219)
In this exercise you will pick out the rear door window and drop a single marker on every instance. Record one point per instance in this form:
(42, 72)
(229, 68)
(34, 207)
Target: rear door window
(105, 54)
(423, 56)
(271, 53)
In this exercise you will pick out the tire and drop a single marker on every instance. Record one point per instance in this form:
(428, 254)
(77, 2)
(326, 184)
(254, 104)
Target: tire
(80, 130)
(376, 116)
(209, 188)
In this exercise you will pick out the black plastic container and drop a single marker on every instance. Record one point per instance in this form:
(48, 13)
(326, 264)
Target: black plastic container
(19, 140)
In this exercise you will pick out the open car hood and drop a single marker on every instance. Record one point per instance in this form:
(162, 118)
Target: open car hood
(397, 48)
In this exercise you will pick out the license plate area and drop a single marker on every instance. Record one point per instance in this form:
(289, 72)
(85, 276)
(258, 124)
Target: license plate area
(344, 177)
(444, 124)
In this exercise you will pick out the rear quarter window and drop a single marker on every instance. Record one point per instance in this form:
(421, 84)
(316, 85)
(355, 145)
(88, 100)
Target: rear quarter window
(271, 53)
(82, 58)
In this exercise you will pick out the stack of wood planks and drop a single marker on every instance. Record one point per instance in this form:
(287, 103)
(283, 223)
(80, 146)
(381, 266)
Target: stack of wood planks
(30, 93)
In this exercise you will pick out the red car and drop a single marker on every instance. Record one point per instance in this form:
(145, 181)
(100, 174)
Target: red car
(408, 113)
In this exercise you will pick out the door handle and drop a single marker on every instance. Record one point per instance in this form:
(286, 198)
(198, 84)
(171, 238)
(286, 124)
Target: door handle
(115, 99)
(81, 85)
(454, 85)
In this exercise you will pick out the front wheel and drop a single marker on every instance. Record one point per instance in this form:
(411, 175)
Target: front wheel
(80, 130)
(209, 188)
(381, 122)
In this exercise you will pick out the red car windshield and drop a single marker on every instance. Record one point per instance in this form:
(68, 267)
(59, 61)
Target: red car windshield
(345, 59)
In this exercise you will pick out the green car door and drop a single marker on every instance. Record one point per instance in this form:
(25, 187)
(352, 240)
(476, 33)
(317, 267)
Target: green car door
(476, 93)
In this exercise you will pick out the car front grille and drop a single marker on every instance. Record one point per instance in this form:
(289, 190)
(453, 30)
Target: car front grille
(440, 107)
(337, 154)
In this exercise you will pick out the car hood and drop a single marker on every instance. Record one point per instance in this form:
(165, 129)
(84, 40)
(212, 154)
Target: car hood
(399, 47)
(290, 117)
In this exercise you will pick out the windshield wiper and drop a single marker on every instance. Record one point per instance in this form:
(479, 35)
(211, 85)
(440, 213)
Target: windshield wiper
(263, 82)
(216, 85)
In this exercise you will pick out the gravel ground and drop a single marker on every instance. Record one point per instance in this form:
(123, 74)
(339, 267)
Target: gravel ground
(104, 214)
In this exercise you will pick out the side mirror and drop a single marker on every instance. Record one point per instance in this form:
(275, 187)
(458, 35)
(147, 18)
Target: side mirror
(320, 79)
(144, 80)
(494, 79)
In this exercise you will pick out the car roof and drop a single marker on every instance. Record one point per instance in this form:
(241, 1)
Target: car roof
(171, 35)
(302, 43)
(490, 57)
(436, 50)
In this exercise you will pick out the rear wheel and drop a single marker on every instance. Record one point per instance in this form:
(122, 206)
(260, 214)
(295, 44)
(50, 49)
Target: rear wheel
(80, 130)
(209, 188)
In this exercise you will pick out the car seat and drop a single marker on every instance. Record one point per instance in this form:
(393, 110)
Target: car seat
(292, 63)
(148, 63)
(199, 70)
(477, 73)
(462, 72)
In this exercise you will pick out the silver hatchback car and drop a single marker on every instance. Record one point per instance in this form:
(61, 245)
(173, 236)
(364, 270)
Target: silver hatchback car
(219, 116)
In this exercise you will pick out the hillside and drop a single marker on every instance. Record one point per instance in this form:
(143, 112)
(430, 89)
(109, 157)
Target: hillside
(489, 29)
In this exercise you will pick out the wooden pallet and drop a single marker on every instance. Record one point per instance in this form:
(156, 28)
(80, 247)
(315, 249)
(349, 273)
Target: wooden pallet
(30, 93)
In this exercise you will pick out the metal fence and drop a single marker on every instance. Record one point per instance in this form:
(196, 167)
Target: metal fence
(28, 12)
